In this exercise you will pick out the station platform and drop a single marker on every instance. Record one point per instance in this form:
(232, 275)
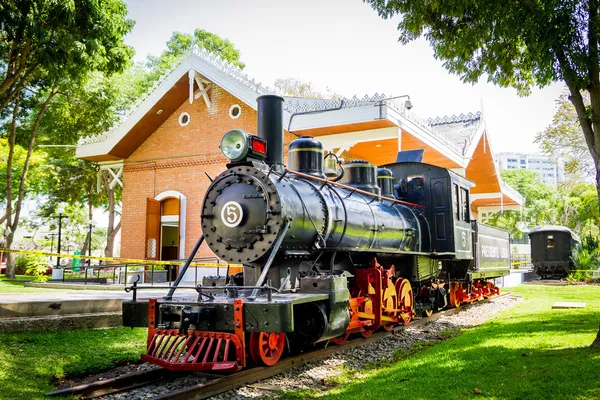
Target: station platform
(72, 309)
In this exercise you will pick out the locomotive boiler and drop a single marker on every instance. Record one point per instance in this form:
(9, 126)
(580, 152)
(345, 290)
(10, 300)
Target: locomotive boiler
(326, 253)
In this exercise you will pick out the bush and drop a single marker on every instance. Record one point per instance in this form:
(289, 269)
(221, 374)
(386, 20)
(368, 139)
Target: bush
(586, 254)
(21, 264)
(36, 266)
(580, 276)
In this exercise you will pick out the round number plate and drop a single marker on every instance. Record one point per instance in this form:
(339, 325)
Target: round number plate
(232, 214)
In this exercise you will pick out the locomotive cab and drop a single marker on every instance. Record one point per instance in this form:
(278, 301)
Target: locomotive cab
(445, 196)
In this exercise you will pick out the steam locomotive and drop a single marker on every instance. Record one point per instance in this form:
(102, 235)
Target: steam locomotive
(329, 249)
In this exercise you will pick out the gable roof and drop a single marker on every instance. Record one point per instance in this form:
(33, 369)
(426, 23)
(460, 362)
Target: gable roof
(300, 114)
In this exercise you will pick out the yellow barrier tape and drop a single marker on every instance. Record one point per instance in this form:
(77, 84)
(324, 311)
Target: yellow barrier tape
(521, 262)
(122, 260)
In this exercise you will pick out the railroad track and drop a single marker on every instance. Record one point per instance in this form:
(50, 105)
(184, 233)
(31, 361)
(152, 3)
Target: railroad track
(214, 384)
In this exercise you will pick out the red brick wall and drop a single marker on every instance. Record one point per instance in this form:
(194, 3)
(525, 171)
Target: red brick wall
(176, 158)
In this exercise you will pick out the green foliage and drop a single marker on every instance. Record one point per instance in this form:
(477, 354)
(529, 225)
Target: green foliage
(21, 263)
(512, 44)
(38, 171)
(521, 45)
(564, 139)
(31, 265)
(46, 41)
(574, 205)
(541, 202)
(586, 254)
(36, 266)
(180, 43)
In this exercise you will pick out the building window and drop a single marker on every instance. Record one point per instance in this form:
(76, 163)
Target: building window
(523, 162)
(235, 111)
(184, 119)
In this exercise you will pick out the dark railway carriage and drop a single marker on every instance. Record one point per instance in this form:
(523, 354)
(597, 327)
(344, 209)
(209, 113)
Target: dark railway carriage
(552, 249)
(326, 253)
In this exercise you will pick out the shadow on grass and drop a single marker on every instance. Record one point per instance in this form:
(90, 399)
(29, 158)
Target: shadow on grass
(30, 362)
(534, 356)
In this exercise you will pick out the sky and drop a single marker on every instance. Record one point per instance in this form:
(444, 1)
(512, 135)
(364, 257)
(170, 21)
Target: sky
(345, 46)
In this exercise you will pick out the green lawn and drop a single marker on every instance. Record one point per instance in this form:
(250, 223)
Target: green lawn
(18, 287)
(529, 352)
(29, 361)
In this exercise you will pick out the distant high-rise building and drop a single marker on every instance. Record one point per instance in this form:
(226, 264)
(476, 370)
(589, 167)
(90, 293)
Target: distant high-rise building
(551, 172)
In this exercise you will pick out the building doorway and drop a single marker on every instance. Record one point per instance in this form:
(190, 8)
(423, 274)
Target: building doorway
(165, 227)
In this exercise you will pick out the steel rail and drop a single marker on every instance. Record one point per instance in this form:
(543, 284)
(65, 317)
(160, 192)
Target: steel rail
(221, 383)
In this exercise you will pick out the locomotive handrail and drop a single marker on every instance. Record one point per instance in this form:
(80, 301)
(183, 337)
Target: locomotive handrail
(353, 189)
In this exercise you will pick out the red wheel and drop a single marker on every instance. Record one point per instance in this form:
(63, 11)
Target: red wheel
(266, 348)
(340, 339)
(405, 299)
(366, 334)
(388, 327)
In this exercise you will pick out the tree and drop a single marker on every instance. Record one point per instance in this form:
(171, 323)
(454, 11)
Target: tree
(562, 139)
(178, 47)
(515, 44)
(48, 48)
(48, 38)
(89, 110)
(541, 202)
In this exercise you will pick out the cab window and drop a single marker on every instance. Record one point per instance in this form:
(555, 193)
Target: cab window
(455, 202)
(464, 203)
(415, 182)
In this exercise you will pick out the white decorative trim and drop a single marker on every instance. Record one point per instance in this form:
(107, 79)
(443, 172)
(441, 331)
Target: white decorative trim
(182, 214)
(233, 107)
(181, 116)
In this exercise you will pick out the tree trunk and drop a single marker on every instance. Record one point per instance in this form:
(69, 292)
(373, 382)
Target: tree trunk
(112, 230)
(11, 223)
(88, 236)
(596, 342)
(10, 258)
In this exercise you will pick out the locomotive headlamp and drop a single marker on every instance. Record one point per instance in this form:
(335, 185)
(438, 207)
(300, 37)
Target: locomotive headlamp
(237, 145)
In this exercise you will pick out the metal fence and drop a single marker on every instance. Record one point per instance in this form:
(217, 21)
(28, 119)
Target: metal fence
(119, 273)
(520, 261)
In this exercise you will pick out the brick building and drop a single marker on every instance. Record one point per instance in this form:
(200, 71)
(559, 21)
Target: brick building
(164, 151)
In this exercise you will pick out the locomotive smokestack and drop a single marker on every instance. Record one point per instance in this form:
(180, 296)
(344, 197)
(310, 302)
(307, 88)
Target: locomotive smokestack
(270, 128)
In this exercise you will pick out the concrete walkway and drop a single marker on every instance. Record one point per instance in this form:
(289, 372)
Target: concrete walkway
(71, 309)
(83, 295)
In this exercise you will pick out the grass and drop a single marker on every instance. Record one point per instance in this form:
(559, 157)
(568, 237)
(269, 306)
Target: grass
(18, 287)
(29, 362)
(529, 352)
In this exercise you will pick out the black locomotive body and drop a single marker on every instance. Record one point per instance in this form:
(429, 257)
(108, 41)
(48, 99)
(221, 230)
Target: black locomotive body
(552, 250)
(325, 254)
